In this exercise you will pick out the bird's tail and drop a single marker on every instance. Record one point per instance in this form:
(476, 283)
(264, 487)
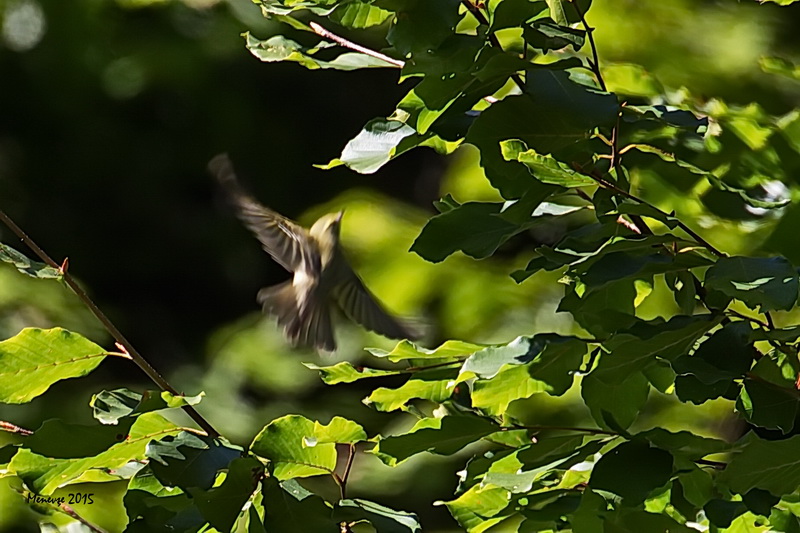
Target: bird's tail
(309, 326)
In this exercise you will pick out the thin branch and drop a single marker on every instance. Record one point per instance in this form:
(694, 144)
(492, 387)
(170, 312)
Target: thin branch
(322, 32)
(594, 63)
(350, 456)
(478, 14)
(613, 187)
(12, 428)
(592, 431)
(137, 358)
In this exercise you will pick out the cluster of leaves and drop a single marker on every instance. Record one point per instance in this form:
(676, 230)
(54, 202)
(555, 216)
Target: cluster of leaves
(504, 76)
(562, 138)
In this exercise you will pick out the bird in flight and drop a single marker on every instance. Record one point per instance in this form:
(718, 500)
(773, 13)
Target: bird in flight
(322, 277)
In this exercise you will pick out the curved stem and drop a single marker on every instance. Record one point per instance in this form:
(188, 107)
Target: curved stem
(137, 358)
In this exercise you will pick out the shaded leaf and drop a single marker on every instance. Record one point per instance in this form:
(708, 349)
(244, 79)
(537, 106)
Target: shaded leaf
(474, 228)
(45, 474)
(443, 436)
(290, 507)
(646, 468)
(25, 265)
(762, 283)
(221, 505)
(768, 399)
(189, 461)
(766, 465)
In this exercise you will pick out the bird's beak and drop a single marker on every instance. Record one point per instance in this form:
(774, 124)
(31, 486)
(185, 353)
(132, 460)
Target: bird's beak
(339, 216)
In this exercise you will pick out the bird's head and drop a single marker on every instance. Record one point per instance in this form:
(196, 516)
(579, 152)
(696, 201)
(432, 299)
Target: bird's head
(328, 226)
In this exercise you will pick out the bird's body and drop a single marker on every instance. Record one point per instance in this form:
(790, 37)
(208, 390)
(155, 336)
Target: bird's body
(321, 274)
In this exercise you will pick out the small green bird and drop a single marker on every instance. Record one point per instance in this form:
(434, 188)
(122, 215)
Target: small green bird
(321, 274)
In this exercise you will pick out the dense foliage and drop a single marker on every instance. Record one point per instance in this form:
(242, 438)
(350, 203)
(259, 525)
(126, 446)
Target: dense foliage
(569, 143)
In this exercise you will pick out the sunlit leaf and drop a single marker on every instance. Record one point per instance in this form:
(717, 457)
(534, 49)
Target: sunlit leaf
(299, 447)
(45, 474)
(34, 359)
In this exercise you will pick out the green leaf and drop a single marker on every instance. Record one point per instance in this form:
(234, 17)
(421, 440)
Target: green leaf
(768, 399)
(766, 465)
(345, 372)
(279, 48)
(709, 372)
(698, 487)
(683, 443)
(45, 474)
(425, 385)
(545, 35)
(646, 468)
(633, 80)
(637, 348)
(421, 25)
(509, 13)
(33, 269)
(34, 359)
(382, 518)
(358, 15)
(722, 513)
(62, 440)
(279, 7)
(635, 521)
(545, 363)
(614, 266)
(475, 228)
(373, 147)
(620, 395)
(290, 507)
(443, 436)
(151, 507)
(544, 167)
(110, 406)
(493, 396)
(221, 505)
(779, 65)
(762, 283)
(486, 363)
(189, 461)
(476, 509)
(565, 12)
(298, 447)
(555, 112)
(616, 385)
(407, 350)
(338, 431)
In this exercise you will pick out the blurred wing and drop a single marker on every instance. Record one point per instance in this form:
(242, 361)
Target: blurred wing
(281, 238)
(362, 307)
